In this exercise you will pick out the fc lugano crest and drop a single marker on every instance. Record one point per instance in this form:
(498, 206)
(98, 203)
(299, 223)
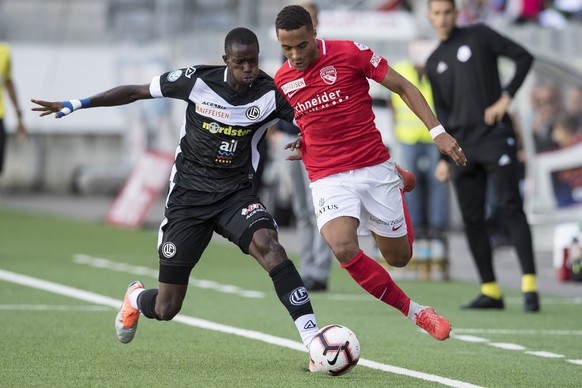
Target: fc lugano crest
(328, 74)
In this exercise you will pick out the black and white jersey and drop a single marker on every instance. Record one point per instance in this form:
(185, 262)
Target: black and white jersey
(218, 150)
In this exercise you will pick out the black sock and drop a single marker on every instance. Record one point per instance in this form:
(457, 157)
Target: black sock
(146, 302)
(290, 289)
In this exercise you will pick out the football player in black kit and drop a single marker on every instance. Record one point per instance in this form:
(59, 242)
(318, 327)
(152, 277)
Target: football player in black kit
(229, 109)
(472, 104)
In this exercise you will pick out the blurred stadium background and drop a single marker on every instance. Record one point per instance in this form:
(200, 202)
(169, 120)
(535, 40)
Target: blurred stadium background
(65, 49)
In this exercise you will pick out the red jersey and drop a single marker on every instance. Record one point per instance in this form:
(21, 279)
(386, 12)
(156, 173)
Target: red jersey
(333, 107)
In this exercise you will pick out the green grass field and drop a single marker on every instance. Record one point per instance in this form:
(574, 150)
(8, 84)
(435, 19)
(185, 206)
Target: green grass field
(61, 282)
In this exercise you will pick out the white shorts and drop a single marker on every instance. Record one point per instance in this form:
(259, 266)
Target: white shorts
(370, 194)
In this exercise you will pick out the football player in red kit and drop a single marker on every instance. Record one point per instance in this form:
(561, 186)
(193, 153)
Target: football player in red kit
(356, 187)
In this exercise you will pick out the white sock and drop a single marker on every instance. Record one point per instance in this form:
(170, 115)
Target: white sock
(413, 310)
(307, 327)
(133, 297)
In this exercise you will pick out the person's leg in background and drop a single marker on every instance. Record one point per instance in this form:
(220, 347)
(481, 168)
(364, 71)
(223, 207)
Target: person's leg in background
(2, 145)
(506, 180)
(413, 159)
(438, 192)
(470, 184)
(315, 256)
(437, 214)
(409, 157)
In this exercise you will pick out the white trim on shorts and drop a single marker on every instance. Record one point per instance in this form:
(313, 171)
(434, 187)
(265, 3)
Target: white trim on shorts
(370, 194)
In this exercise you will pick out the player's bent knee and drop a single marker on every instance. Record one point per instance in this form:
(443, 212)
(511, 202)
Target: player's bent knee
(396, 258)
(345, 252)
(167, 312)
(267, 250)
(398, 261)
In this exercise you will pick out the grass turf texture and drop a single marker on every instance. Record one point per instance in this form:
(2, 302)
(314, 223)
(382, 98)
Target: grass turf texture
(69, 342)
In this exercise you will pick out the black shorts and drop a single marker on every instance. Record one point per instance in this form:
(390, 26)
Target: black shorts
(191, 217)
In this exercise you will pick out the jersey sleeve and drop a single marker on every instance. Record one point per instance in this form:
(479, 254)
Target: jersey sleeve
(284, 109)
(371, 64)
(506, 47)
(174, 84)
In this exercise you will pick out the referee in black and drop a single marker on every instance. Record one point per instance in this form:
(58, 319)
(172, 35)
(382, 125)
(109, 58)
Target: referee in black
(471, 102)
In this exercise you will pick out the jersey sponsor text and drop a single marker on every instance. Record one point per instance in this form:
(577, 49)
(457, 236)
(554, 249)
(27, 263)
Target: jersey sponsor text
(210, 112)
(216, 128)
(319, 99)
(293, 86)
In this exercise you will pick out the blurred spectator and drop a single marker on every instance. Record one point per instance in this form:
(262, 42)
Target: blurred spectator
(571, 9)
(394, 5)
(567, 130)
(546, 105)
(473, 11)
(7, 82)
(573, 100)
(524, 11)
(551, 18)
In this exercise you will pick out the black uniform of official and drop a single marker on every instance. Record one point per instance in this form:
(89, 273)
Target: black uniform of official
(211, 182)
(463, 72)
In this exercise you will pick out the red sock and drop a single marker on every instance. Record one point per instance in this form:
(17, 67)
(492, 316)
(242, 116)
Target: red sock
(374, 278)
(409, 227)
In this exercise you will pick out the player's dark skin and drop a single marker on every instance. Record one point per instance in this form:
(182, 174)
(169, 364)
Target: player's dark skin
(242, 63)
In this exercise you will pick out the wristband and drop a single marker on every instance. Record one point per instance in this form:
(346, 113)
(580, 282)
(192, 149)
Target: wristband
(72, 105)
(437, 131)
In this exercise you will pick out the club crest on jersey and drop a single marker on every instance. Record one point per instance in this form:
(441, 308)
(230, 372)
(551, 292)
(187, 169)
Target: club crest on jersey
(173, 76)
(464, 53)
(253, 112)
(328, 74)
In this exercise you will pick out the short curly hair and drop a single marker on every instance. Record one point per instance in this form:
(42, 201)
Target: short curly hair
(293, 17)
(240, 35)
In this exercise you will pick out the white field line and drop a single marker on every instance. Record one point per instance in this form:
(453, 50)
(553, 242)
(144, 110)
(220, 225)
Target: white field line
(99, 262)
(516, 332)
(204, 324)
(512, 346)
(51, 307)
(457, 333)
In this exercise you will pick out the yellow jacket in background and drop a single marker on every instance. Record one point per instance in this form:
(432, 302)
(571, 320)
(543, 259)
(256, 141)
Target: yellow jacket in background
(5, 70)
(408, 128)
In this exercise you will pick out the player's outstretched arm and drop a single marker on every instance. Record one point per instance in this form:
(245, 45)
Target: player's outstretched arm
(119, 95)
(418, 104)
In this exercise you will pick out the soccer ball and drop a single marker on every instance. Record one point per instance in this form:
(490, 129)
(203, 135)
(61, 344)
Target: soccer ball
(335, 350)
